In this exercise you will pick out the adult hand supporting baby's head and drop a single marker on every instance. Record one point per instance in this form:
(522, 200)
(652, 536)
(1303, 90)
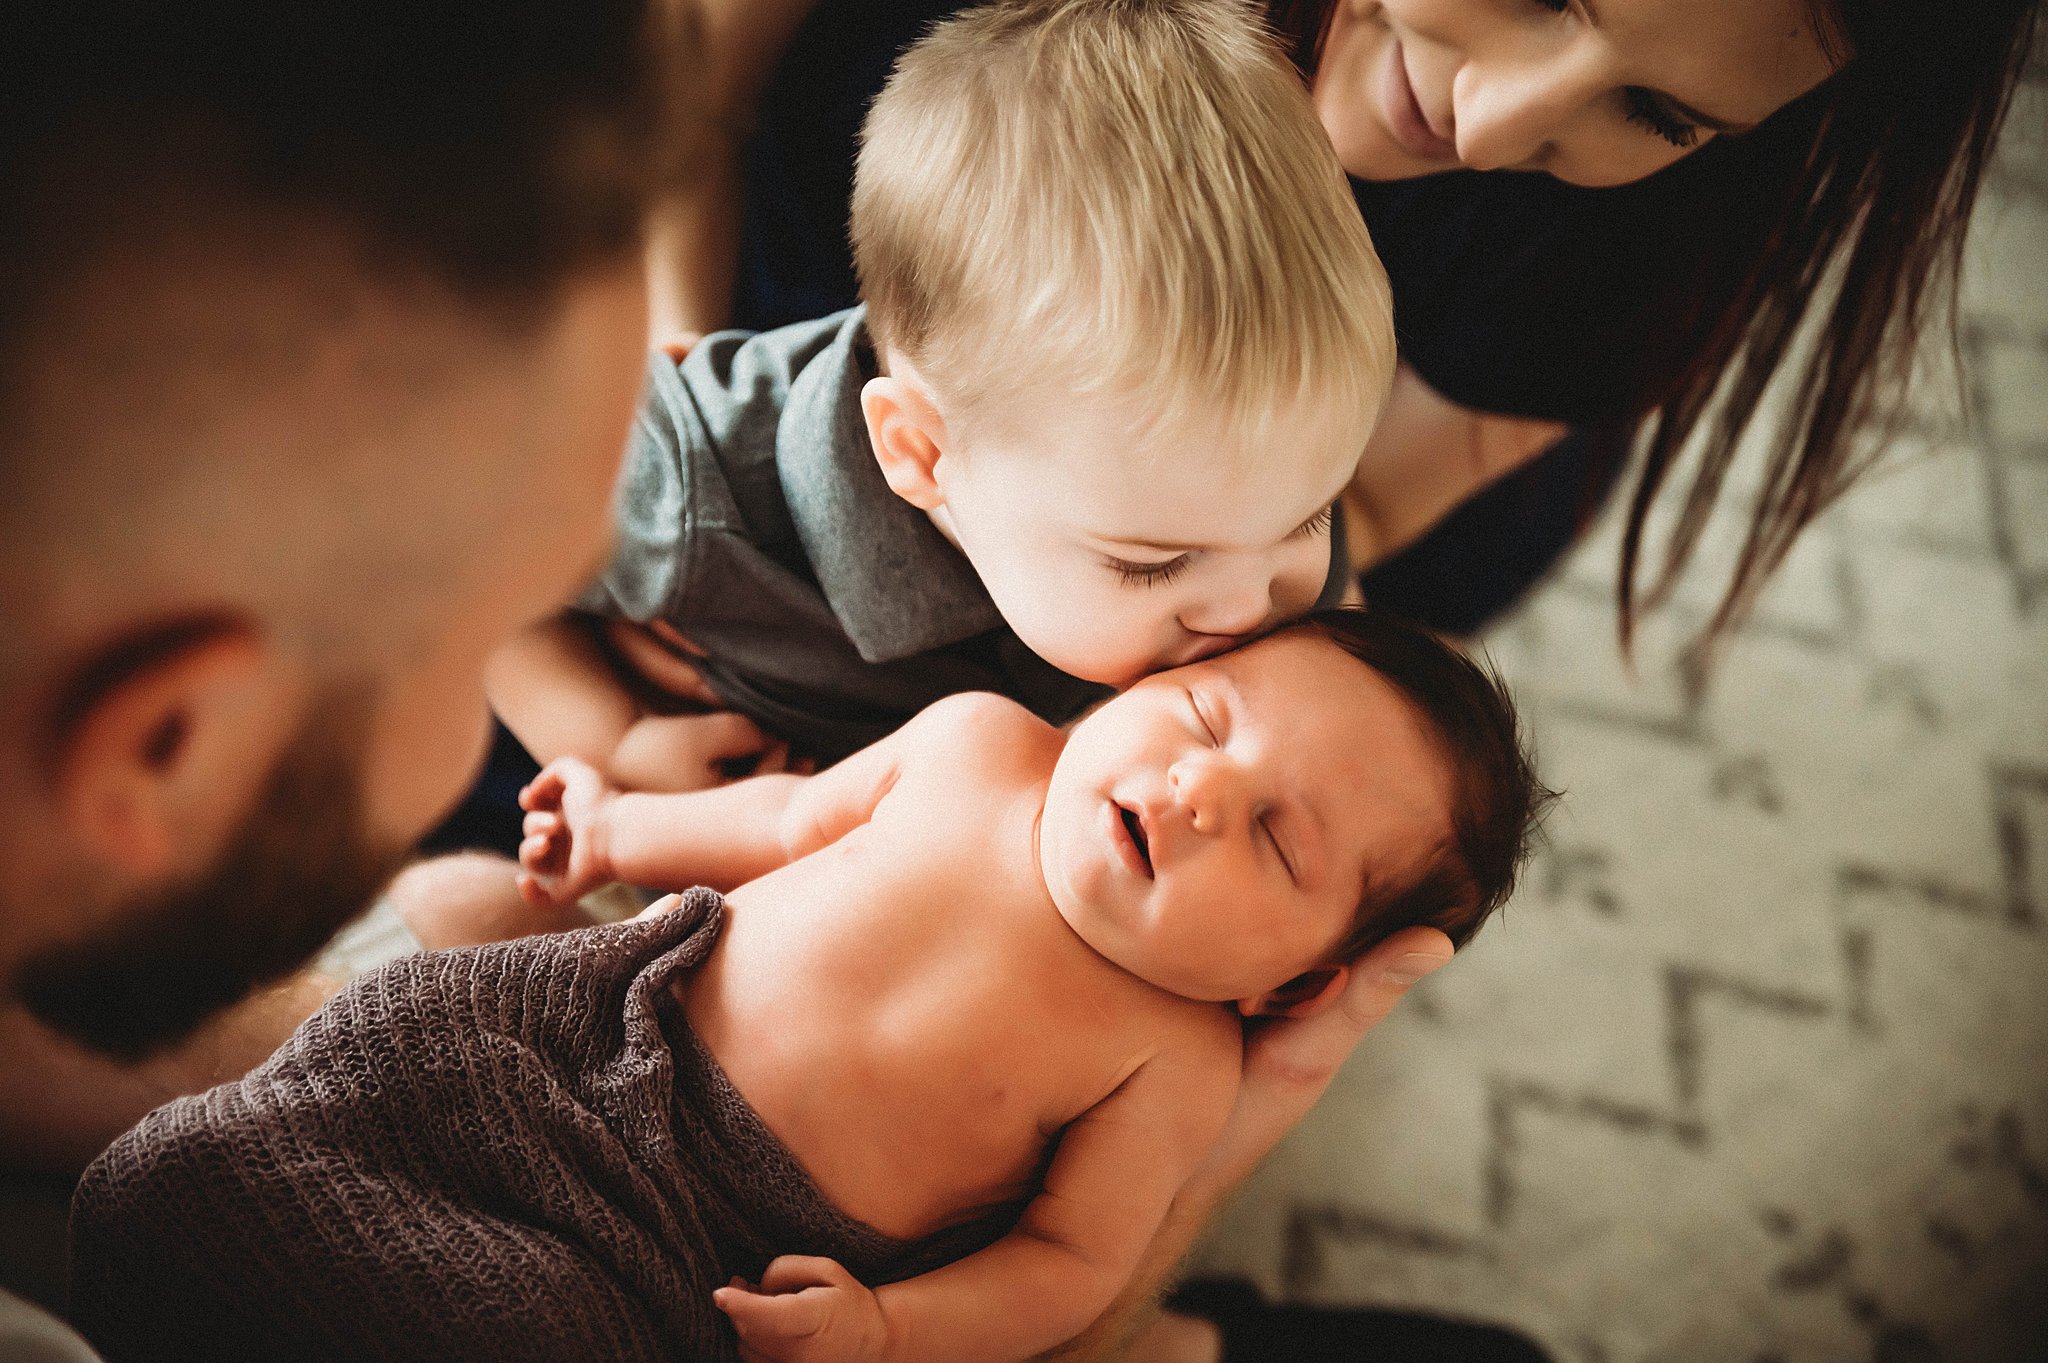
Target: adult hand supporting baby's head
(1288, 1062)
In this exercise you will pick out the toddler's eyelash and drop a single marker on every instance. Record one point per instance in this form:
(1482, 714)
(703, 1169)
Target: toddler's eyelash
(1647, 113)
(1148, 574)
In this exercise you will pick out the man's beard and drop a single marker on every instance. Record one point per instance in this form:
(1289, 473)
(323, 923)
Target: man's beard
(297, 870)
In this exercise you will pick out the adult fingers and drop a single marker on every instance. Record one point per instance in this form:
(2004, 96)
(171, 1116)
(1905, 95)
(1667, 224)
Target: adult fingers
(727, 734)
(668, 667)
(1297, 1051)
(1289, 1062)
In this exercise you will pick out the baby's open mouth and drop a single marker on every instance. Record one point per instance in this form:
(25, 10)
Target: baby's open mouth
(1136, 828)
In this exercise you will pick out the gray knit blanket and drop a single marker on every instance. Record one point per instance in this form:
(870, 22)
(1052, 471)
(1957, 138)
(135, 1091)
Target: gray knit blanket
(506, 1153)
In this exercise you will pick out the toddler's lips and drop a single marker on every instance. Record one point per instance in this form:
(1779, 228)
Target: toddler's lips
(1133, 846)
(1208, 646)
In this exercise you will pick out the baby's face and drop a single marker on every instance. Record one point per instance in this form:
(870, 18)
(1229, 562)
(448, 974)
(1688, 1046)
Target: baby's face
(1115, 549)
(1211, 829)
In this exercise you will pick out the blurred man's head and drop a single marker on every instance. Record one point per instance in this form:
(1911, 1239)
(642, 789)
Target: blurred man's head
(320, 330)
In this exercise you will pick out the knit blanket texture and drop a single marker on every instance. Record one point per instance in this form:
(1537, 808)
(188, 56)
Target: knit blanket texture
(511, 1152)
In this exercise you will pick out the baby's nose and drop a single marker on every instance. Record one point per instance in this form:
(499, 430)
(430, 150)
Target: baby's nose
(1207, 786)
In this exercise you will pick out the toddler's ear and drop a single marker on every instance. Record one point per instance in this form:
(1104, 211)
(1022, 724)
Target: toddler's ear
(909, 437)
(1307, 993)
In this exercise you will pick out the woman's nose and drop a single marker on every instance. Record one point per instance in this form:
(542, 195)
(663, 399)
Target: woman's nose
(1511, 103)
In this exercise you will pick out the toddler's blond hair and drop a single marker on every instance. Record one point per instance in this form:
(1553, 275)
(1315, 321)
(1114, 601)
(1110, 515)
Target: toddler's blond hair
(1130, 196)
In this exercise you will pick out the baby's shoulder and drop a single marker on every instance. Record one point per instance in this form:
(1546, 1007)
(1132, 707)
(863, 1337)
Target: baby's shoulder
(1201, 1045)
(979, 730)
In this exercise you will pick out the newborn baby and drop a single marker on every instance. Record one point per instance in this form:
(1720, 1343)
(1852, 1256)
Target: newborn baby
(981, 966)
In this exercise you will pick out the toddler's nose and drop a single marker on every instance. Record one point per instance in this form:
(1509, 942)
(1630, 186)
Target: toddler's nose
(1240, 611)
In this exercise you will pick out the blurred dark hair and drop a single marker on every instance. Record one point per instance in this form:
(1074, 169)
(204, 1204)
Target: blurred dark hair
(1496, 800)
(494, 148)
(1892, 149)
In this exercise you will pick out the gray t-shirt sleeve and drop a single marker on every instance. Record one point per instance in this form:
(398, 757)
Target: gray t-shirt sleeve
(705, 427)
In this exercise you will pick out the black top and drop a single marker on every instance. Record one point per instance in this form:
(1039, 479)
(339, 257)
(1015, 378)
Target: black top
(1513, 293)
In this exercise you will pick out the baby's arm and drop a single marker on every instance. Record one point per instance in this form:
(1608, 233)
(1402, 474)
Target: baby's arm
(1118, 1168)
(561, 693)
(581, 833)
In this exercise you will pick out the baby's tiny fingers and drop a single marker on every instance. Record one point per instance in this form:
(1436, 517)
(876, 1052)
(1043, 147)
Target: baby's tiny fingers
(765, 1319)
(794, 1272)
(544, 789)
(541, 823)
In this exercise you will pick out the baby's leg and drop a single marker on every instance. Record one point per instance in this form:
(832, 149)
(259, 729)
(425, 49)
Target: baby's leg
(468, 898)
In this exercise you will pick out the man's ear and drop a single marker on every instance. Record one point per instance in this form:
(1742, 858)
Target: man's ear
(909, 436)
(166, 741)
(1307, 993)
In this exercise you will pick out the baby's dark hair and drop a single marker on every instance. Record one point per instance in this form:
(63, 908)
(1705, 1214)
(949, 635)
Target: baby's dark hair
(1496, 800)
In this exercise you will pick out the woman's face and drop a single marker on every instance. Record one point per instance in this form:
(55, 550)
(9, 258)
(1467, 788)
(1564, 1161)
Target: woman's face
(1594, 92)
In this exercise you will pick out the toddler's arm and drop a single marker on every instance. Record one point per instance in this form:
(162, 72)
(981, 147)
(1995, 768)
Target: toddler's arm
(1117, 1170)
(581, 832)
(560, 692)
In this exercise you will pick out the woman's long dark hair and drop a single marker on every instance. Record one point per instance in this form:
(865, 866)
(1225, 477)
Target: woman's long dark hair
(1896, 144)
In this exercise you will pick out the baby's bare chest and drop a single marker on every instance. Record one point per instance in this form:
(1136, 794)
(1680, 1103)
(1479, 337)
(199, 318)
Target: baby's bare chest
(916, 1060)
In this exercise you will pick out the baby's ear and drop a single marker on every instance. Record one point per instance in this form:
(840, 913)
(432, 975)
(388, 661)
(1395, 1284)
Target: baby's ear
(1307, 993)
(909, 436)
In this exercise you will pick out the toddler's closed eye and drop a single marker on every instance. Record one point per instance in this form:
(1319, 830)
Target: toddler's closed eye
(1149, 574)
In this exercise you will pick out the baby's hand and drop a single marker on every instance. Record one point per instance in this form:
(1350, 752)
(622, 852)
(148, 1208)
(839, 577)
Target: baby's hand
(805, 1311)
(562, 857)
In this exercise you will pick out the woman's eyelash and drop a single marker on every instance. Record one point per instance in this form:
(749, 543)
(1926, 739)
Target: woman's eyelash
(1646, 111)
(1643, 108)
(1148, 574)
(1318, 523)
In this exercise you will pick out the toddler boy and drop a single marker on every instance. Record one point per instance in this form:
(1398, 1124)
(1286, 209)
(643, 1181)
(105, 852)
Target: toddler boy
(964, 1031)
(1124, 337)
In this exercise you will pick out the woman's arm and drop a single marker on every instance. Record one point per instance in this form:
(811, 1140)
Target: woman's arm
(1425, 457)
(730, 50)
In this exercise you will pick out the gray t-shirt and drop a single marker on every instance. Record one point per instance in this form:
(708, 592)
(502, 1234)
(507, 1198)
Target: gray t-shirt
(753, 518)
